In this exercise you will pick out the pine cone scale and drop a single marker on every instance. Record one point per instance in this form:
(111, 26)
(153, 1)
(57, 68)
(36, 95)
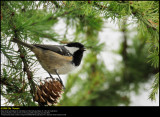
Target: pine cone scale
(49, 92)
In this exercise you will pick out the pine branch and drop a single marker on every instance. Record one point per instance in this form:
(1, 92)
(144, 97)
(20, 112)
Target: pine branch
(155, 88)
(10, 85)
(149, 23)
(26, 66)
(10, 60)
(101, 7)
(54, 17)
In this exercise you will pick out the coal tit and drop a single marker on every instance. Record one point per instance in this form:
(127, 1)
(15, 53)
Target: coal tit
(57, 59)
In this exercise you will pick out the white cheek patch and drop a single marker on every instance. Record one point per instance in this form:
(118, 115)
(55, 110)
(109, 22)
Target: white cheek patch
(72, 49)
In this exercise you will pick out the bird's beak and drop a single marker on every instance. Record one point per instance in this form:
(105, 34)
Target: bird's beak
(84, 49)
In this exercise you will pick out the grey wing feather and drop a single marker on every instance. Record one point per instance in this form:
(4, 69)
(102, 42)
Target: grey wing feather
(55, 48)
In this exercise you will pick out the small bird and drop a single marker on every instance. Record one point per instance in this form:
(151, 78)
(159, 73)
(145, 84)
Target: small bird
(57, 59)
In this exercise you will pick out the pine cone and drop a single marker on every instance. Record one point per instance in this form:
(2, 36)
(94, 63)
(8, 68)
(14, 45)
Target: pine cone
(49, 92)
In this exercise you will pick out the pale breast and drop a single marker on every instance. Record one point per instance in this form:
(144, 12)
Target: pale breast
(66, 69)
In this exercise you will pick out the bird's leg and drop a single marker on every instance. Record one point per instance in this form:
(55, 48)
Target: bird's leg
(60, 79)
(50, 76)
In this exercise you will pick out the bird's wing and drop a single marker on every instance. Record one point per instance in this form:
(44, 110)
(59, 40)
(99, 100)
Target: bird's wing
(55, 48)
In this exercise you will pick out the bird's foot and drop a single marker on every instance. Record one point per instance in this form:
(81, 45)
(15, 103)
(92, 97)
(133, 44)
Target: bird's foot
(61, 83)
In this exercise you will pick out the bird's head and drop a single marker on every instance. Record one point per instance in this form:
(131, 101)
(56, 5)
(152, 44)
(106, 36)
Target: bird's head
(76, 49)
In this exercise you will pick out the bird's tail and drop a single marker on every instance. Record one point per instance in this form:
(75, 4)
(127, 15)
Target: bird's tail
(23, 43)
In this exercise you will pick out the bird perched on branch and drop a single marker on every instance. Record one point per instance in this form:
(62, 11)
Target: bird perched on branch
(57, 59)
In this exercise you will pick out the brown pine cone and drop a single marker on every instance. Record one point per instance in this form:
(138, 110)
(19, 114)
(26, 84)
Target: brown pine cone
(49, 92)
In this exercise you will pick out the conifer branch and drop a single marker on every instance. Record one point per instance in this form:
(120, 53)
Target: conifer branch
(4, 81)
(101, 7)
(149, 23)
(26, 66)
(10, 60)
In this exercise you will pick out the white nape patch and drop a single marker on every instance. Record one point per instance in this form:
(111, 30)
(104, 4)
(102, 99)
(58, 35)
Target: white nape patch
(72, 49)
